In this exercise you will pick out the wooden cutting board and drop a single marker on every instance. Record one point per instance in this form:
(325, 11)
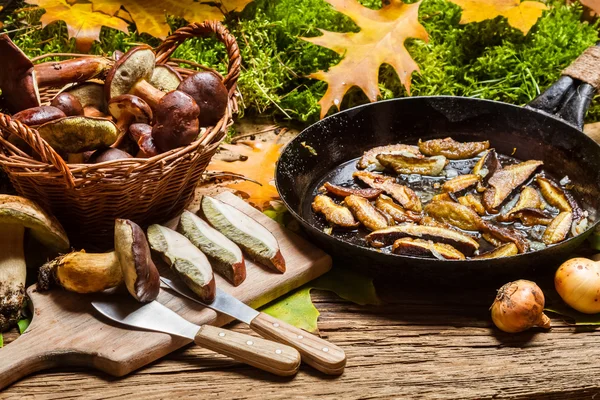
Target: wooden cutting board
(67, 331)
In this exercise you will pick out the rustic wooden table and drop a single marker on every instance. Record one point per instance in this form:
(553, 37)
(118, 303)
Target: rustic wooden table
(425, 344)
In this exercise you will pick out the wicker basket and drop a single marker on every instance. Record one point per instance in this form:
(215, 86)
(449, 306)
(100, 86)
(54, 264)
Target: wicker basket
(87, 198)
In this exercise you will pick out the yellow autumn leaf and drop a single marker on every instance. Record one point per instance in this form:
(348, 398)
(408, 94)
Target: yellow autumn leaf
(150, 16)
(519, 15)
(82, 22)
(380, 41)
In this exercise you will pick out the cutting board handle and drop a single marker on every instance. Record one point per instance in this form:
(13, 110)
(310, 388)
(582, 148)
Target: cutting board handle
(29, 353)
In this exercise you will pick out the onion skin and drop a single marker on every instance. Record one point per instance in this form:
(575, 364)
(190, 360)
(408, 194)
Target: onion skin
(519, 305)
(577, 281)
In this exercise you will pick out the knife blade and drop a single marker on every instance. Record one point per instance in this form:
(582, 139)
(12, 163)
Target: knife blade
(264, 354)
(316, 352)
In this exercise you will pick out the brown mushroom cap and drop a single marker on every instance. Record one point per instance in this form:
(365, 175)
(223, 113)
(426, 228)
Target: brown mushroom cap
(176, 121)
(78, 134)
(127, 108)
(110, 154)
(142, 135)
(141, 275)
(89, 94)
(165, 78)
(17, 77)
(209, 92)
(135, 65)
(67, 103)
(39, 115)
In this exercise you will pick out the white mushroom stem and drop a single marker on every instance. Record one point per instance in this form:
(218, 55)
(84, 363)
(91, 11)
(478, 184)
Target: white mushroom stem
(13, 272)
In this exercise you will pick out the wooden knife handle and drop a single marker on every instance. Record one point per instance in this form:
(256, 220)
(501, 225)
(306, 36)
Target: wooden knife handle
(269, 356)
(316, 352)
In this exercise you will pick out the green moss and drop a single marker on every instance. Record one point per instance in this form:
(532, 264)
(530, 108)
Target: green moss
(487, 60)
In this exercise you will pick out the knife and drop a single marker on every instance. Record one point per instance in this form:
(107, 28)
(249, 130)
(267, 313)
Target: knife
(316, 352)
(258, 352)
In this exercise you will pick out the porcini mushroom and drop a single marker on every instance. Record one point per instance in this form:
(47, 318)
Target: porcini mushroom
(39, 115)
(68, 104)
(165, 78)
(110, 154)
(176, 121)
(75, 135)
(91, 96)
(16, 214)
(128, 109)
(209, 92)
(142, 135)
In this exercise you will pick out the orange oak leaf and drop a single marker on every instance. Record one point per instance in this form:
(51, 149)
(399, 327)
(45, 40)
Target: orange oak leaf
(259, 166)
(380, 40)
(150, 16)
(82, 22)
(520, 15)
(593, 5)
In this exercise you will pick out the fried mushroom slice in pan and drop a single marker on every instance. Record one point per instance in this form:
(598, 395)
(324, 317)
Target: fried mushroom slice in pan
(405, 196)
(460, 183)
(364, 211)
(506, 250)
(558, 229)
(420, 247)
(369, 158)
(504, 181)
(553, 194)
(498, 235)
(452, 149)
(473, 201)
(407, 163)
(487, 165)
(341, 191)
(334, 213)
(456, 214)
(386, 205)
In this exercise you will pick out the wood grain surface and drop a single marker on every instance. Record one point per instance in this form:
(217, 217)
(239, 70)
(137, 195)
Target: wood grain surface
(66, 331)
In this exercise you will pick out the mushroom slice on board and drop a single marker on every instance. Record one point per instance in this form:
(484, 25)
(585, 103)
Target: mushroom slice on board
(402, 194)
(187, 260)
(209, 92)
(505, 250)
(420, 247)
(452, 149)
(334, 213)
(256, 240)
(16, 214)
(504, 181)
(139, 272)
(165, 78)
(224, 255)
(460, 183)
(369, 158)
(558, 229)
(343, 191)
(456, 214)
(463, 243)
(366, 213)
(388, 206)
(17, 77)
(407, 163)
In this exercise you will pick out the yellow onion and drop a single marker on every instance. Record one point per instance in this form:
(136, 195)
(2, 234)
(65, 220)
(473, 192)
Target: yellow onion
(519, 305)
(577, 281)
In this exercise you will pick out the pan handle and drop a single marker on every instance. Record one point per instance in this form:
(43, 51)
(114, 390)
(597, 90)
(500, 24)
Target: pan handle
(570, 97)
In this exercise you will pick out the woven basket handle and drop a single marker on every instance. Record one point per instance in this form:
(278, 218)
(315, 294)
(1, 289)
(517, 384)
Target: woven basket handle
(204, 29)
(40, 146)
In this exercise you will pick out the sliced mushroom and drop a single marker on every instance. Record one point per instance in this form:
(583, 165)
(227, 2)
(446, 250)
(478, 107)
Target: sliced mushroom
(38, 115)
(209, 92)
(176, 121)
(187, 260)
(17, 214)
(460, 183)
(334, 213)
(443, 197)
(343, 191)
(487, 165)
(504, 181)
(256, 240)
(506, 250)
(165, 78)
(461, 242)
(139, 272)
(455, 214)
(452, 149)
(419, 247)
(364, 211)
(68, 104)
(558, 229)
(387, 205)
(498, 235)
(473, 201)
(369, 158)
(403, 195)
(128, 109)
(553, 194)
(224, 255)
(407, 163)
(528, 216)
